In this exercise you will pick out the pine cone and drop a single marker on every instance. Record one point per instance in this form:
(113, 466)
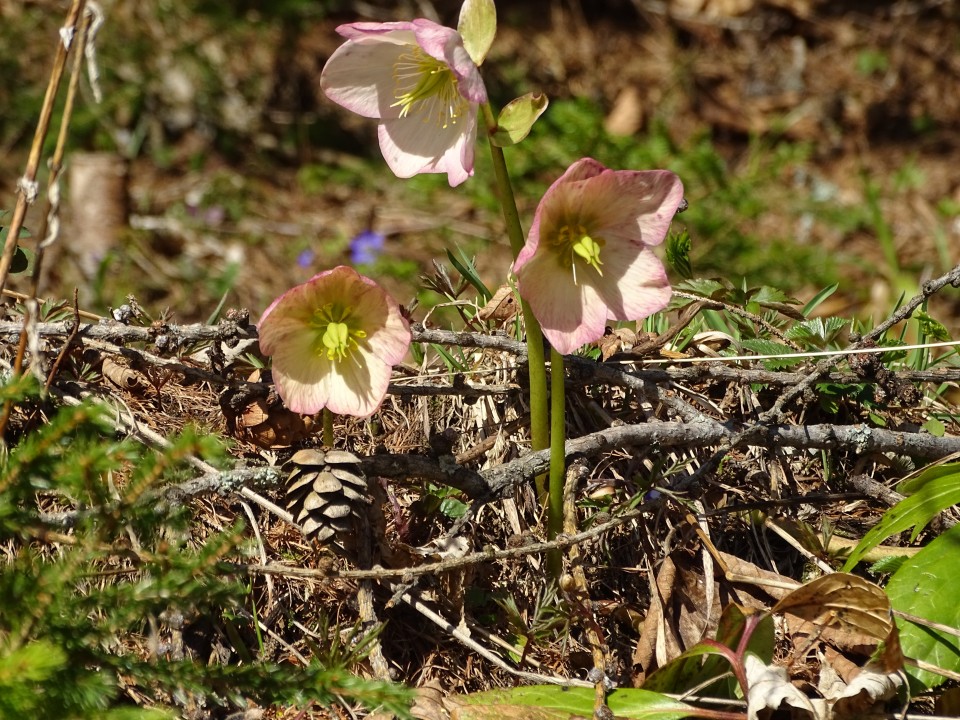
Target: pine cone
(325, 491)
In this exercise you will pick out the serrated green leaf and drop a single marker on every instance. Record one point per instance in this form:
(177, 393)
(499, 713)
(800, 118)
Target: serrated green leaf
(766, 294)
(477, 26)
(768, 347)
(930, 496)
(705, 287)
(888, 565)
(626, 703)
(930, 327)
(516, 119)
(925, 586)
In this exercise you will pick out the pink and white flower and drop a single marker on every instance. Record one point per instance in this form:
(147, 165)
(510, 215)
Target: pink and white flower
(587, 258)
(334, 341)
(422, 85)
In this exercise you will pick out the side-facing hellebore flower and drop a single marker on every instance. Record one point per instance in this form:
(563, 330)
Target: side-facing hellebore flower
(419, 81)
(587, 258)
(334, 340)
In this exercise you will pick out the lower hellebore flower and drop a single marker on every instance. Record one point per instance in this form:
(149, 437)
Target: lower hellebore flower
(587, 258)
(334, 340)
(419, 81)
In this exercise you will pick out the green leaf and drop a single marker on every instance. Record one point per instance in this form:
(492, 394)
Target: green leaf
(704, 661)
(453, 508)
(477, 26)
(931, 328)
(20, 262)
(766, 294)
(709, 288)
(465, 266)
(517, 118)
(934, 489)
(678, 253)
(627, 703)
(819, 298)
(935, 427)
(925, 586)
(817, 333)
(768, 347)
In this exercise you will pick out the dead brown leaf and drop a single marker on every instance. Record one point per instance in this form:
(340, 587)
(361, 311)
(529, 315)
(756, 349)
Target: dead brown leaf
(844, 601)
(502, 306)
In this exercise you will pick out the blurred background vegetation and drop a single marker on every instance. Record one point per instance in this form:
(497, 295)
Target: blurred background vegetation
(817, 142)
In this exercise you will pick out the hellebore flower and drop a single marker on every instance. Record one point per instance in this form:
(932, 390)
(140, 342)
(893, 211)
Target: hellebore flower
(419, 81)
(587, 258)
(334, 340)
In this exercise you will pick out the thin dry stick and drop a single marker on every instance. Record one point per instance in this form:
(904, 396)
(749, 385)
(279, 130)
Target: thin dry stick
(27, 185)
(49, 230)
(776, 411)
(471, 644)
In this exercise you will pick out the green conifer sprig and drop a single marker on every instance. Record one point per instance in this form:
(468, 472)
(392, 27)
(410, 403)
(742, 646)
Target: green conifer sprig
(83, 629)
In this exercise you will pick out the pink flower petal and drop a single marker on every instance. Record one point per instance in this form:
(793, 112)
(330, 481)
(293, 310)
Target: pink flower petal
(569, 315)
(359, 75)
(446, 45)
(625, 211)
(357, 388)
(635, 205)
(634, 284)
(353, 31)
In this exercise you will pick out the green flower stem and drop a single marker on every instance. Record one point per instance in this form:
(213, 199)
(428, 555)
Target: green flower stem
(536, 360)
(558, 434)
(327, 428)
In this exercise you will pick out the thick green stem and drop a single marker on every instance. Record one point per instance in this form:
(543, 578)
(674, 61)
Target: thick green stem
(539, 428)
(327, 428)
(558, 434)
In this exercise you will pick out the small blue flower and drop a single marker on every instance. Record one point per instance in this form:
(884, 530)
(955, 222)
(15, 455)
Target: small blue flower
(305, 258)
(365, 247)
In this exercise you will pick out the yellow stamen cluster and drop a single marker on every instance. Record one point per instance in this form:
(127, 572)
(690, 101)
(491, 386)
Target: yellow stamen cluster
(574, 242)
(338, 338)
(425, 86)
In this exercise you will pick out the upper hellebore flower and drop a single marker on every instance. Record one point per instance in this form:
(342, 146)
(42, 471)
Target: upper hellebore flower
(587, 258)
(334, 341)
(421, 83)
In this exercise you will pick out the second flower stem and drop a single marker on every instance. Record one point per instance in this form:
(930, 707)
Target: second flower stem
(536, 359)
(558, 434)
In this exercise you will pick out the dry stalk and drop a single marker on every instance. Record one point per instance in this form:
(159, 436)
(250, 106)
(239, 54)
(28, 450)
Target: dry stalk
(27, 185)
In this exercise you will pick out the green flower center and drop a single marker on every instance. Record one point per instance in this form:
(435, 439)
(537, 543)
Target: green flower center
(426, 86)
(337, 331)
(576, 245)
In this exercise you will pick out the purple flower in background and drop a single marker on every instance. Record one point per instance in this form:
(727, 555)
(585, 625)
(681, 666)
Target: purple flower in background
(365, 247)
(305, 258)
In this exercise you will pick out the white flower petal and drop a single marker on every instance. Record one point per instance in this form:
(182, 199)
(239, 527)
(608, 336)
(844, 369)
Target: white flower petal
(415, 145)
(359, 74)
